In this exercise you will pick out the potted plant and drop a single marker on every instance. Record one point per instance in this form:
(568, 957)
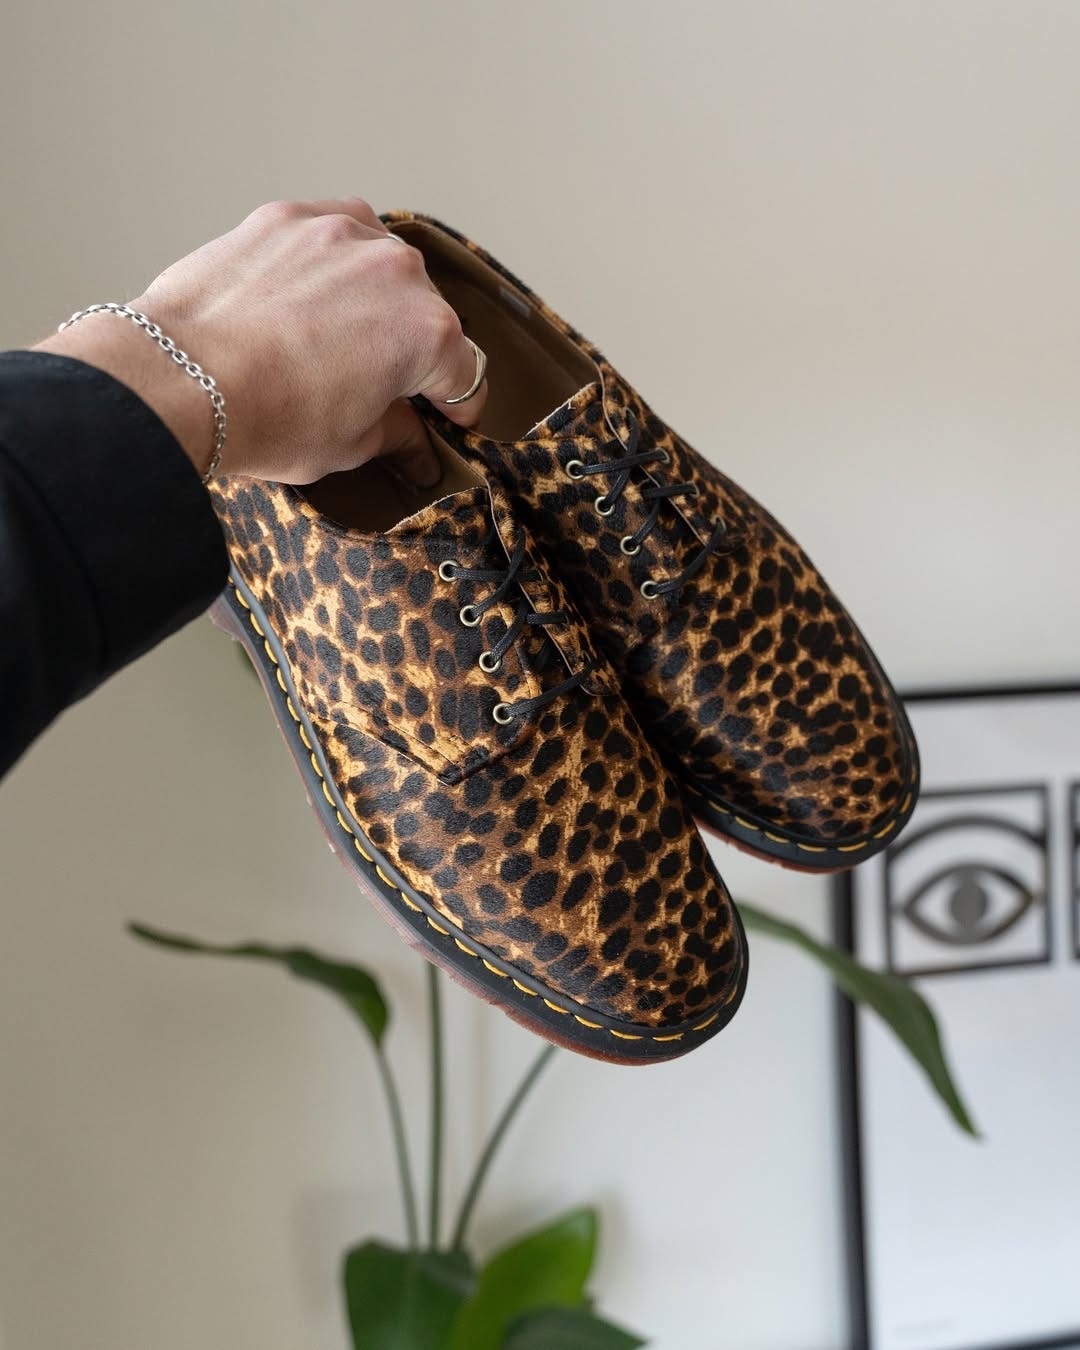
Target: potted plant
(436, 1292)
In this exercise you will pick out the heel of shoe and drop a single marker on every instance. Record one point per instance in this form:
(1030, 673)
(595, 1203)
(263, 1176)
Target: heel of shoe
(223, 616)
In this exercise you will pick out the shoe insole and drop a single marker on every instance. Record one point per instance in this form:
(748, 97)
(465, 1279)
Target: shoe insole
(533, 368)
(375, 497)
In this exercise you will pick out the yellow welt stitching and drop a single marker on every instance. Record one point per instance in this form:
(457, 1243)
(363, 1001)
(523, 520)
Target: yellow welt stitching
(625, 1036)
(384, 877)
(495, 970)
(326, 793)
(464, 947)
(746, 824)
(555, 1007)
(241, 598)
(525, 989)
(432, 924)
(887, 830)
(594, 1025)
(255, 624)
(314, 761)
(412, 904)
(343, 822)
(292, 711)
(811, 848)
(281, 680)
(776, 838)
(677, 1037)
(366, 856)
(270, 652)
(303, 737)
(850, 848)
(702, 1025)
(904, 805)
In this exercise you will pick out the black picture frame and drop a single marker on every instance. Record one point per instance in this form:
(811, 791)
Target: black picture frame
(847, 1042)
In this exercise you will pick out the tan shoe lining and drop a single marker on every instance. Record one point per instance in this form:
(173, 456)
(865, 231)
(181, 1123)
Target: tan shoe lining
(533, 368)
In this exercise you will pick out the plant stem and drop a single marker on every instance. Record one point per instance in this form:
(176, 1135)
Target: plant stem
(483, 1163)
(437, 1094)
(401, 1146)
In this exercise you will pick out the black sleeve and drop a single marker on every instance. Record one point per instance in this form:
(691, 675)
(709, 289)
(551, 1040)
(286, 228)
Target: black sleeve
(108, 542)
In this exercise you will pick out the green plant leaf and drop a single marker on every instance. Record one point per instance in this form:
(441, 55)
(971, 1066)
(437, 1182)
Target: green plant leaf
(355, 987)
(398, 1300)
(546, 1268)
(567, 1329)
(902, 1009)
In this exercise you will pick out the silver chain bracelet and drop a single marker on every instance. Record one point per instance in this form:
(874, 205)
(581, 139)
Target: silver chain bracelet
(217, 399)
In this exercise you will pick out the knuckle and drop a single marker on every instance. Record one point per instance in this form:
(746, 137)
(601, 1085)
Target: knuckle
(336, 228)
(411, 259)
(388, 255)
(275, 213)
(444, 328)
(364, 208)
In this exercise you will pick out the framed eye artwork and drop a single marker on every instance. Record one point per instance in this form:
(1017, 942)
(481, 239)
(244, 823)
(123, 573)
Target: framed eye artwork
(959, 1243)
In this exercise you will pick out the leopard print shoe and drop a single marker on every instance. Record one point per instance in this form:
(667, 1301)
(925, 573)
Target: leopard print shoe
(473, 762)
(741, 664)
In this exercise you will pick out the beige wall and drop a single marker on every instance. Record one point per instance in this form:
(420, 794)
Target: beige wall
(836, 244)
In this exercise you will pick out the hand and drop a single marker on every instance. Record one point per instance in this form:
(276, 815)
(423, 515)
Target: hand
(316, 324)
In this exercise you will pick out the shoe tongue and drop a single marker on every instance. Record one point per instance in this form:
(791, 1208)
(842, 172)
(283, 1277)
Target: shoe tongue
(465, 519)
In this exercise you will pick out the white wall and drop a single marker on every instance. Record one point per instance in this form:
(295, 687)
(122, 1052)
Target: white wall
(836, 244)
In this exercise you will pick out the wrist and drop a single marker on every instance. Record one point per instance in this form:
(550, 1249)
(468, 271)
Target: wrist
(114, 344)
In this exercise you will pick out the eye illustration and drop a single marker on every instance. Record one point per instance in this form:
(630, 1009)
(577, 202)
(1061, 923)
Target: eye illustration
(966, 888)
(968, 903)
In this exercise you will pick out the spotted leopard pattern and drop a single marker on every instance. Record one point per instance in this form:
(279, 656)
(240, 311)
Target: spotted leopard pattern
(753, 679)
(561, 843)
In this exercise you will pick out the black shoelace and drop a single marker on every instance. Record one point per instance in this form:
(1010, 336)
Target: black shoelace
(628, 458)
(505, 581)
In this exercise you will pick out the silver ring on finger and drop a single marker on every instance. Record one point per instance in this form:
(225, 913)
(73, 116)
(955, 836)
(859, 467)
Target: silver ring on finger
(478, 380)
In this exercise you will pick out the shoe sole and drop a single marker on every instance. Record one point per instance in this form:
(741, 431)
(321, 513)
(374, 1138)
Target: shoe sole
(762, 841)
(412, 914)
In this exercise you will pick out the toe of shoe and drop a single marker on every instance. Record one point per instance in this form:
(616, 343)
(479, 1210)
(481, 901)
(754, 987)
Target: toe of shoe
(572, 869)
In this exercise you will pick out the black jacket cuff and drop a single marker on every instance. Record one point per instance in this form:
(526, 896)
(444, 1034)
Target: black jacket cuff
(122, 493)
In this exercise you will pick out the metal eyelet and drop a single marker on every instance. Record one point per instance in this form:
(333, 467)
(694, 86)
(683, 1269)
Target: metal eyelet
(575, 469)
(625, 544)
(665, 458)
(649, 590)
(600, 503)
(693, 489)
(489, 662)
(501, 713)
(469, 615)
(448, 569)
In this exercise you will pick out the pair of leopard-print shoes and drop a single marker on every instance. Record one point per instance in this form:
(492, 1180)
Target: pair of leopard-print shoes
(511, 696)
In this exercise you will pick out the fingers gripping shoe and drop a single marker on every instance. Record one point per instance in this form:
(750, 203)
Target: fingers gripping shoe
(742, 665)
(473, 762)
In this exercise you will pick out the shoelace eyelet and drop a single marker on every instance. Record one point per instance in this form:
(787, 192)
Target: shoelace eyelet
(501, 713)
(600, 503)
(649, 590)
(625, 544)
(575, 469)
(665, 458)
(469, 615)
(489, 663)
(448, 569)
